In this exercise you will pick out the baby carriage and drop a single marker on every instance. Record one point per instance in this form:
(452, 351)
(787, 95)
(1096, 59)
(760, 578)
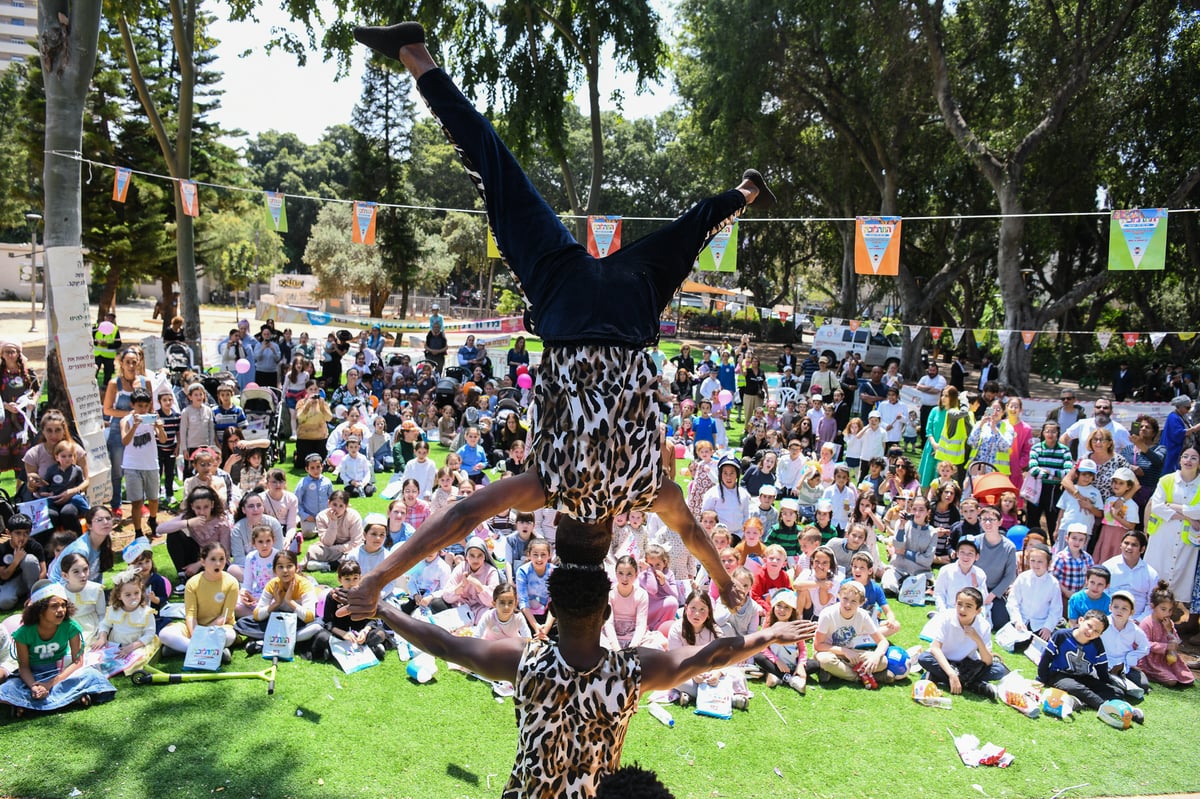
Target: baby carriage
(264, 409)
(448, 385)
(508, 399)
(178, 358)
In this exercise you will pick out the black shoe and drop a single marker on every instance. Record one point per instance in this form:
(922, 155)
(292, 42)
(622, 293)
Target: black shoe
(765, 198)
(254, 647)
(986, 689)
(226, 656)
(387, 40)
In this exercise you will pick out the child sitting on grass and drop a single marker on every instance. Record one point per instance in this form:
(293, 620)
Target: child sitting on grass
(1163, 665)
(773, 577)
(502, 620)
(961, 653)
(962, 573)
(1035, 601)
(1093, 596)
(742, 620)
(1074, 662)
(1125, 644)
(363, 632)
(875, 603)
(841, 628)
(786, 663)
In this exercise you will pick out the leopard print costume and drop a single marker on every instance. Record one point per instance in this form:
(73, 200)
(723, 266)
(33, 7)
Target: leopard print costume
(571, 724)
(597, 447)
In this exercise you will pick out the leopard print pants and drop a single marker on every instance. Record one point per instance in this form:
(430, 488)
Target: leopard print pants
(595, 430)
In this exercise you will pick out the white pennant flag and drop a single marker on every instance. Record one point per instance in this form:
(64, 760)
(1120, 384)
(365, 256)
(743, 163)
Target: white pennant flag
(914, 331)
(1157, 339)
(873, 326)
(956, 333)
(1004, 336)
(836, 321)
(1104, 337)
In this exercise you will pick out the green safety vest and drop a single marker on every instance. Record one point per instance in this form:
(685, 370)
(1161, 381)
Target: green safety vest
(953, 449)
(1155, 521)
(104, 345)
(1004, 456)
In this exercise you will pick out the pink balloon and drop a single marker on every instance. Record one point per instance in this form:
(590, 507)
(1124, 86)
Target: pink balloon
(725, 397)
(680, 451)
(106, 327)
(242, 366)
(524, 381)
(252, 384)
(335, 458)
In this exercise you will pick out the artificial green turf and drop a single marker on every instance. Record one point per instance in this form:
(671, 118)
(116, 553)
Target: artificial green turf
(379, 734)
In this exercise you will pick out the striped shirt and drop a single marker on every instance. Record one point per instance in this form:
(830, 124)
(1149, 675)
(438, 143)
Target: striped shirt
(170, 423)
(1049, 463)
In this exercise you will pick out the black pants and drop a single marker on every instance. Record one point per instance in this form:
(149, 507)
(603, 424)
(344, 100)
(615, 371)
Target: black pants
(166, 466)
(1091, 692)
(571, 293)
(1046, 507)
(183, 549)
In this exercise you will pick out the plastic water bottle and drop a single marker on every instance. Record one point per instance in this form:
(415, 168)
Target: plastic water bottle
(660, 713)
(422, 667)
(937, 701)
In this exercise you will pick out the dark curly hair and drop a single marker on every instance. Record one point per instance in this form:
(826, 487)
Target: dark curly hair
(579, 592)
(632, 782)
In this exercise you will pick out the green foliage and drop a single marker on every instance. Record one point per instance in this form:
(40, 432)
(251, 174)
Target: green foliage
(510, 303)
(339, 264)
(239, 247)
(15, 167)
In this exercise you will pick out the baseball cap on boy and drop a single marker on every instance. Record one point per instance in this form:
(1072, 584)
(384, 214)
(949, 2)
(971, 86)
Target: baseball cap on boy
(1086, 465)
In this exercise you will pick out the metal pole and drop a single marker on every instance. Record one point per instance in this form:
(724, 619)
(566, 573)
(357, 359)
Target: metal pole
(33, 219)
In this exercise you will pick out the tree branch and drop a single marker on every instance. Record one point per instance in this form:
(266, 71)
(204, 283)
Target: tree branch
(143, 93)
(1181, 191)
(1071, 298)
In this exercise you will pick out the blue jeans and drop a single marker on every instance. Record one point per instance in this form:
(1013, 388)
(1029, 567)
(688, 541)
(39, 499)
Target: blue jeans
(116, 453)
(574, 298)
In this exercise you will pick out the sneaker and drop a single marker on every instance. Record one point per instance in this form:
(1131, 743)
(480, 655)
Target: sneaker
(799, 683)
(772, 681)
(986, 689)
(317, 566)
(254, 647)
(118, 513)
(1139, 715)
(741, 702)
(684, 699)
(226, 656)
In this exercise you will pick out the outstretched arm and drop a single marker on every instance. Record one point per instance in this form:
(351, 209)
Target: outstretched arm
(496, 660)
(662, 670)
(451, 524)
(672, 509)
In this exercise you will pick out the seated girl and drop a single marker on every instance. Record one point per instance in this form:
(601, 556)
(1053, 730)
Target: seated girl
(533, 593)
(287, 592)
(1163, 665)
(257, 570)
(471, 583)
(628, 623)
(86, 596)
(502, 620)
(128, 621)
(45, 639)
(208, 601)
(660, 586)
(817, 587)
(696, 628)
(786, 663)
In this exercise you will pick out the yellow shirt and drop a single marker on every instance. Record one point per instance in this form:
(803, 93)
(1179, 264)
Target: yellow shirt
(210, 602)
(303, 596)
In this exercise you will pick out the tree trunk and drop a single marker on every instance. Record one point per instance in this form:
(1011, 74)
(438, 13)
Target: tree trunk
(848, 304)
(1018, 311)
(108, 295)
(377, 302)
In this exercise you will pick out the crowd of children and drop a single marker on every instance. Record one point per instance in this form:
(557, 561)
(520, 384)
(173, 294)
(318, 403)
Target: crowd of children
(804, 534)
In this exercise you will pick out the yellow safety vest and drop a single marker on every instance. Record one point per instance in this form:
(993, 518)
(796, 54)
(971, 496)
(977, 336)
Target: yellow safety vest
(1155, 521)
(1005, 455)
(104, 345)
(953, 449)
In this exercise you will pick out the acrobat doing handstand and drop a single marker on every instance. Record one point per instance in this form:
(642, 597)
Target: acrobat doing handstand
(596, 445)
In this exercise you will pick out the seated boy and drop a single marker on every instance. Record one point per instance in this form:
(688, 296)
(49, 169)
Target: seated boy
(855, 541)
(1125, 644)
(1035, 601)
(22, 563)
(841, 629)
(962, 573)
(596, 443)
(961, 653)
(875, 603)
(1075, 662)
(1094, 595)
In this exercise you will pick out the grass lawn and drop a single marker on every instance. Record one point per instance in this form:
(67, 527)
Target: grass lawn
(378, 734)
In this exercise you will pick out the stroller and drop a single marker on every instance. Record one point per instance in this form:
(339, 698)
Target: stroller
(178, 358)
(448, 385)
(508, 399)
(264, 408)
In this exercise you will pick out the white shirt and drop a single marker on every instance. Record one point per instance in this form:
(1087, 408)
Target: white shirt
(951, 580)
(1138, 580)
(1082, 430)
(1125, 647)
(1036, 601)
(424, 473)
(894, 414)
(931, 398)
(788, 471)
(956, 644)
(843, 500)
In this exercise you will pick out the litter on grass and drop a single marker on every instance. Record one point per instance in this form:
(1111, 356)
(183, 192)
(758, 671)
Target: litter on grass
(974, 755)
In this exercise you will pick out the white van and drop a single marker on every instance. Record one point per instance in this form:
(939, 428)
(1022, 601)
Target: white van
(838, 341)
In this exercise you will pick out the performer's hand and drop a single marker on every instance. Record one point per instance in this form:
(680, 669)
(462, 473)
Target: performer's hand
(794, 631)
(733, 596)
(359, 602)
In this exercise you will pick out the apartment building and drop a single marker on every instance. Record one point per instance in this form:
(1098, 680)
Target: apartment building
(18, 30)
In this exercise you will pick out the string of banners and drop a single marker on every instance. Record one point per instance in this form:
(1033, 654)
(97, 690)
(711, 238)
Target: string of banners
(982, 334)
(1137, 236)
(1137, 242)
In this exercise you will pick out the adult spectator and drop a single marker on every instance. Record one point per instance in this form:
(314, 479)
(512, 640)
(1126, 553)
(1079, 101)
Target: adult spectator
(267, 359)
(1107, 460)
(755, 388)
(232, 350)
(376, 341)
(684, 359)
(518, 356)
(105, 346)
(872, 393)
(1173, 526)
(808, 368)
(173, 331)
(118, 405)
(39, 459)
(1102, 420)
(958, 372)
(1068, 413)
(893, 415)
(19, 392)
(987, 370)
(468, 355)
(930, 388)
(95, 545)
(1148, 459)
(1175, 431)
(786, 358)
(436, 346)
(823, 379)
(204, 519)
(1122, 382)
